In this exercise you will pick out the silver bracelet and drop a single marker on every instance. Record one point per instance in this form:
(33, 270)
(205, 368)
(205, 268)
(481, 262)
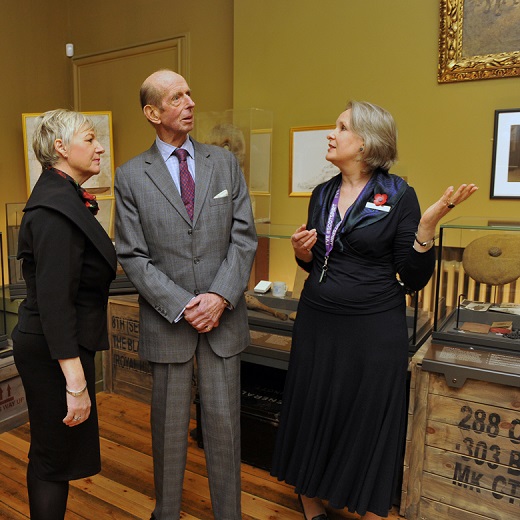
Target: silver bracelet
(428, 243)
(78, 393)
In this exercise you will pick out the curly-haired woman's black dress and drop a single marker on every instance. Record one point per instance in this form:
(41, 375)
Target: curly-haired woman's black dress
(343, 418)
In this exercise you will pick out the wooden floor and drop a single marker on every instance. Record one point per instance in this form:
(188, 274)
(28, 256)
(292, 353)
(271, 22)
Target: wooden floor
(124, 488)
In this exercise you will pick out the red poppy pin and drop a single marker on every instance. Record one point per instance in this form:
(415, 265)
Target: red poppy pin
(89, 200)
(380, 199)
(88, 196)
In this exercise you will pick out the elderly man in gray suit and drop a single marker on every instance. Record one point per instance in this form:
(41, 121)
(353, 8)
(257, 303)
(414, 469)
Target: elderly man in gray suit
(186, 239)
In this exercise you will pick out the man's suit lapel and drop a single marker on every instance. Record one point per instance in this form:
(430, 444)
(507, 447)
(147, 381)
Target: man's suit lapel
(204, 171)
(160, 176)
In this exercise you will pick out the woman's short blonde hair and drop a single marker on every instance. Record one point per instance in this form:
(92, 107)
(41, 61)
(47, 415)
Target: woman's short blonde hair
(56, 124)
(378, 130)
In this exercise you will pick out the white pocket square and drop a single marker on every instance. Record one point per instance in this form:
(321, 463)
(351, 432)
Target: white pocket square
(221, 194)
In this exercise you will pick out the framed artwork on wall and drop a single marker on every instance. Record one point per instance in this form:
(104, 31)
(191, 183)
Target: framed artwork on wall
(101, 185)
(106, 215)
(308, 166)
(505, 172)
(478, 40)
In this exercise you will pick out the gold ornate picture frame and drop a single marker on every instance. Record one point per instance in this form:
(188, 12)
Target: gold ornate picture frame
(478, 40)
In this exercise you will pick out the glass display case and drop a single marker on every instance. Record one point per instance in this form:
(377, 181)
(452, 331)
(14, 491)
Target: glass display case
(270, 317)
(248, 134)
(17, 290)
(3, 318)
(14, 214)
(477, 302)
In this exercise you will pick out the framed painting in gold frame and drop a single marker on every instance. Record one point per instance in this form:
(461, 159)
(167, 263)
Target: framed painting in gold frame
(478, 40)
(101, 185)
(308, 166)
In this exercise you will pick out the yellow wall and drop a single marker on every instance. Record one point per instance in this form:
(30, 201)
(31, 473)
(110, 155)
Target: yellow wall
(37, 76)
(99, 26)
(304, 60)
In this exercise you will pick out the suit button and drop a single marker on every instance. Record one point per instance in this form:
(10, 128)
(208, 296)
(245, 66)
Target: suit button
(196, 261)
(196, 292)
(190, 231)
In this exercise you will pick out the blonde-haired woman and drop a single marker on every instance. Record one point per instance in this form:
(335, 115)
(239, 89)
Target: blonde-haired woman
(68, 263)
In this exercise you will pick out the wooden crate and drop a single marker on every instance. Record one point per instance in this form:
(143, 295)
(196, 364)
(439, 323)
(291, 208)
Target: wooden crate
(13, 406)
(414, 367)
(124, 372)
(462, 456)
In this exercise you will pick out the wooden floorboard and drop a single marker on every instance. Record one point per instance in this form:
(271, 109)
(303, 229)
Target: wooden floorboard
(124, 488)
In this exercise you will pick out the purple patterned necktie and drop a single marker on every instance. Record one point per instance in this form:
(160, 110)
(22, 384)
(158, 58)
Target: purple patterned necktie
(186, 181)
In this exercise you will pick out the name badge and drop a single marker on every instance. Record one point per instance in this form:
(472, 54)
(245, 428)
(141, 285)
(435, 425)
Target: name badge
(371, 205)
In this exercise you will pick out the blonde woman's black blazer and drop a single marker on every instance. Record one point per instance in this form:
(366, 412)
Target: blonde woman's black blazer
(68, 263)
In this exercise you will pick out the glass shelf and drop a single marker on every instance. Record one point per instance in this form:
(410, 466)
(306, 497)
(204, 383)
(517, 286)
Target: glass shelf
(482, 223)
(267, 230)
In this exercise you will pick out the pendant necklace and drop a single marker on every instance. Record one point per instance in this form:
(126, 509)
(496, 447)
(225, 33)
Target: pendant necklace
(330, 234)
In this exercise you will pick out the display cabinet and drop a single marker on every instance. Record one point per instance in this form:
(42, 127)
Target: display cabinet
(17, 289)
(477, 303)
(3, 319)
(13, 408)
(14, 214)
(248, 134)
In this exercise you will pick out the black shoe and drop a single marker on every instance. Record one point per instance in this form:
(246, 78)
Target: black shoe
(323, 516)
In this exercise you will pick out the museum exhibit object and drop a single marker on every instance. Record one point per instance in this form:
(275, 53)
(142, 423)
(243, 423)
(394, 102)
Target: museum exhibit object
(477, 288)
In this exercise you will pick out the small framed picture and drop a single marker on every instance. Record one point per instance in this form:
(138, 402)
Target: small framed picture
(308, 166)
(101, 185)
(505, 172)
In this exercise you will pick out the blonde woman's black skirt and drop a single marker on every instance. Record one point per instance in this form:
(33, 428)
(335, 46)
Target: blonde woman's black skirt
(57, 452)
